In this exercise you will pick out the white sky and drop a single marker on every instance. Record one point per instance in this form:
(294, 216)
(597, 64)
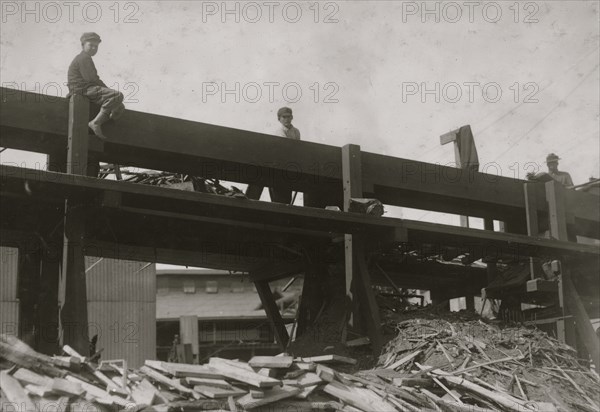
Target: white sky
(367, 54)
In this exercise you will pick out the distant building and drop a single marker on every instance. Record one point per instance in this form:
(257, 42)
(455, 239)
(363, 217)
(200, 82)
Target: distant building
(230, 320)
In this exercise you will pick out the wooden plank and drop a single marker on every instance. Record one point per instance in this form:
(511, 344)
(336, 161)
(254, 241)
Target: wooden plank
(330, 359)
(272, 311)
(273, 395)
(271, 361)
(217, 383)
(66, 388)
(218, 393)
(359, 398)
(15, 394)
(308, 379)
(242, 375)
(144, 393)
(25, 376)
(157, 376)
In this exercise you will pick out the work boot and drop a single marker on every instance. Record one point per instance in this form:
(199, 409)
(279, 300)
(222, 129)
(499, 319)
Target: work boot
(118, 112)
(95, 124)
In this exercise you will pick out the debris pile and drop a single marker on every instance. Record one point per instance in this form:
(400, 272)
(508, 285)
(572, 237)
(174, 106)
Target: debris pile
(475, 366)
(431, 365)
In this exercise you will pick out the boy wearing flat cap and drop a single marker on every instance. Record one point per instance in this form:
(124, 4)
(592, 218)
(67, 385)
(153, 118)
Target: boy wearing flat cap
(83, 79)
(285, 129)
(284, 115)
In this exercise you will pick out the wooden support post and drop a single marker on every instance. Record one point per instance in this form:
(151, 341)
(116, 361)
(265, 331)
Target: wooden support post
(532, 221)
(72, 287)
(28, 284)
(48, 295)
(555, 195)
(582, 320)
(77, 153)
(313, 292)
(188, 332)
(368, 306)
(272, 311)
(557, 215)
(365, 312)
(352, 185)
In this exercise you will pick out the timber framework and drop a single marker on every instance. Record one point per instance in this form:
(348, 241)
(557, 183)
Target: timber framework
(67, 211)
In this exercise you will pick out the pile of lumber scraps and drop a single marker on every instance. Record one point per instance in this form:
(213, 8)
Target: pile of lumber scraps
(476, 366)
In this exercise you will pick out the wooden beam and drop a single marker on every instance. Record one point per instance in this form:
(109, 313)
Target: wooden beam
(368, 305)
(72, 287)
(533, 229)
(555, 196)
(77, 153)
(238, 155)
(583, 324)
(352, 187)
(272, 311)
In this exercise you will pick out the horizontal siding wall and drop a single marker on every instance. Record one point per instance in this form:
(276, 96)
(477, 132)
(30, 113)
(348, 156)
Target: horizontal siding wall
(9, 305)
(122, 308)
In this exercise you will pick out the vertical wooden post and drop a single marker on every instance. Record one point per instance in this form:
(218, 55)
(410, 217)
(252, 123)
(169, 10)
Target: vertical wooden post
(188, 332)
(48, 295)
(532, 220)
(72, 286)
(272, 311)
(352, 185)
(28, 284)
(365, 313)
(557, 215)
(77, 153)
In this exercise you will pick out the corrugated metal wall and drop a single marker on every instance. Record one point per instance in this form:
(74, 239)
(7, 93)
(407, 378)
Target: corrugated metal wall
(122, 308)
(9, 305)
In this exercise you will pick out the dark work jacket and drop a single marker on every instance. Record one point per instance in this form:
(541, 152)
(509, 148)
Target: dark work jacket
(82, 74)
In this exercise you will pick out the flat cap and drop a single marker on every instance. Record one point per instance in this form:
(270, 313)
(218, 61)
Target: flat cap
(282, 111)
(552, 158)
(90, 36)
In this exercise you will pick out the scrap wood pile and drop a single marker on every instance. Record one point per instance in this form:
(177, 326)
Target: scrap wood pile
(474, 366)
(431, 365)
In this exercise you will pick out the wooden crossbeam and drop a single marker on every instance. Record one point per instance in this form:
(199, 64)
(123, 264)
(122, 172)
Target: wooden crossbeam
(139, 139)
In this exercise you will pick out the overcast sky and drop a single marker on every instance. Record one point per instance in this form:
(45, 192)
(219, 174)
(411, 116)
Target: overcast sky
(390, 76)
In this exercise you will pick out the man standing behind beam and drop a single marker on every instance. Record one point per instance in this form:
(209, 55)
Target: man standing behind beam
(287, 130)
(83, 79)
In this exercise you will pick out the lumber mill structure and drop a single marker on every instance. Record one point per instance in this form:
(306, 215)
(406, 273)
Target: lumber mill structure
(58, 216)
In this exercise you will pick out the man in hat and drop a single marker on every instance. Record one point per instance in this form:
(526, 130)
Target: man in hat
(83, 79)
(561, 177)
(285, 129)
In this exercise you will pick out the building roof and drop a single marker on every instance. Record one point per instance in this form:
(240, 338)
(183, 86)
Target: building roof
(222, 306)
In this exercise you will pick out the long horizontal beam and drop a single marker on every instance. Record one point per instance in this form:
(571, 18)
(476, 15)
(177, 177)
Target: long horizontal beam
(37, 185)
(165, 143)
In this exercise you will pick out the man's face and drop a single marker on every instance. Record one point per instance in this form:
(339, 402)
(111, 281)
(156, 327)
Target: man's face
(286, 119)
(91, 47)
(552, 166)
